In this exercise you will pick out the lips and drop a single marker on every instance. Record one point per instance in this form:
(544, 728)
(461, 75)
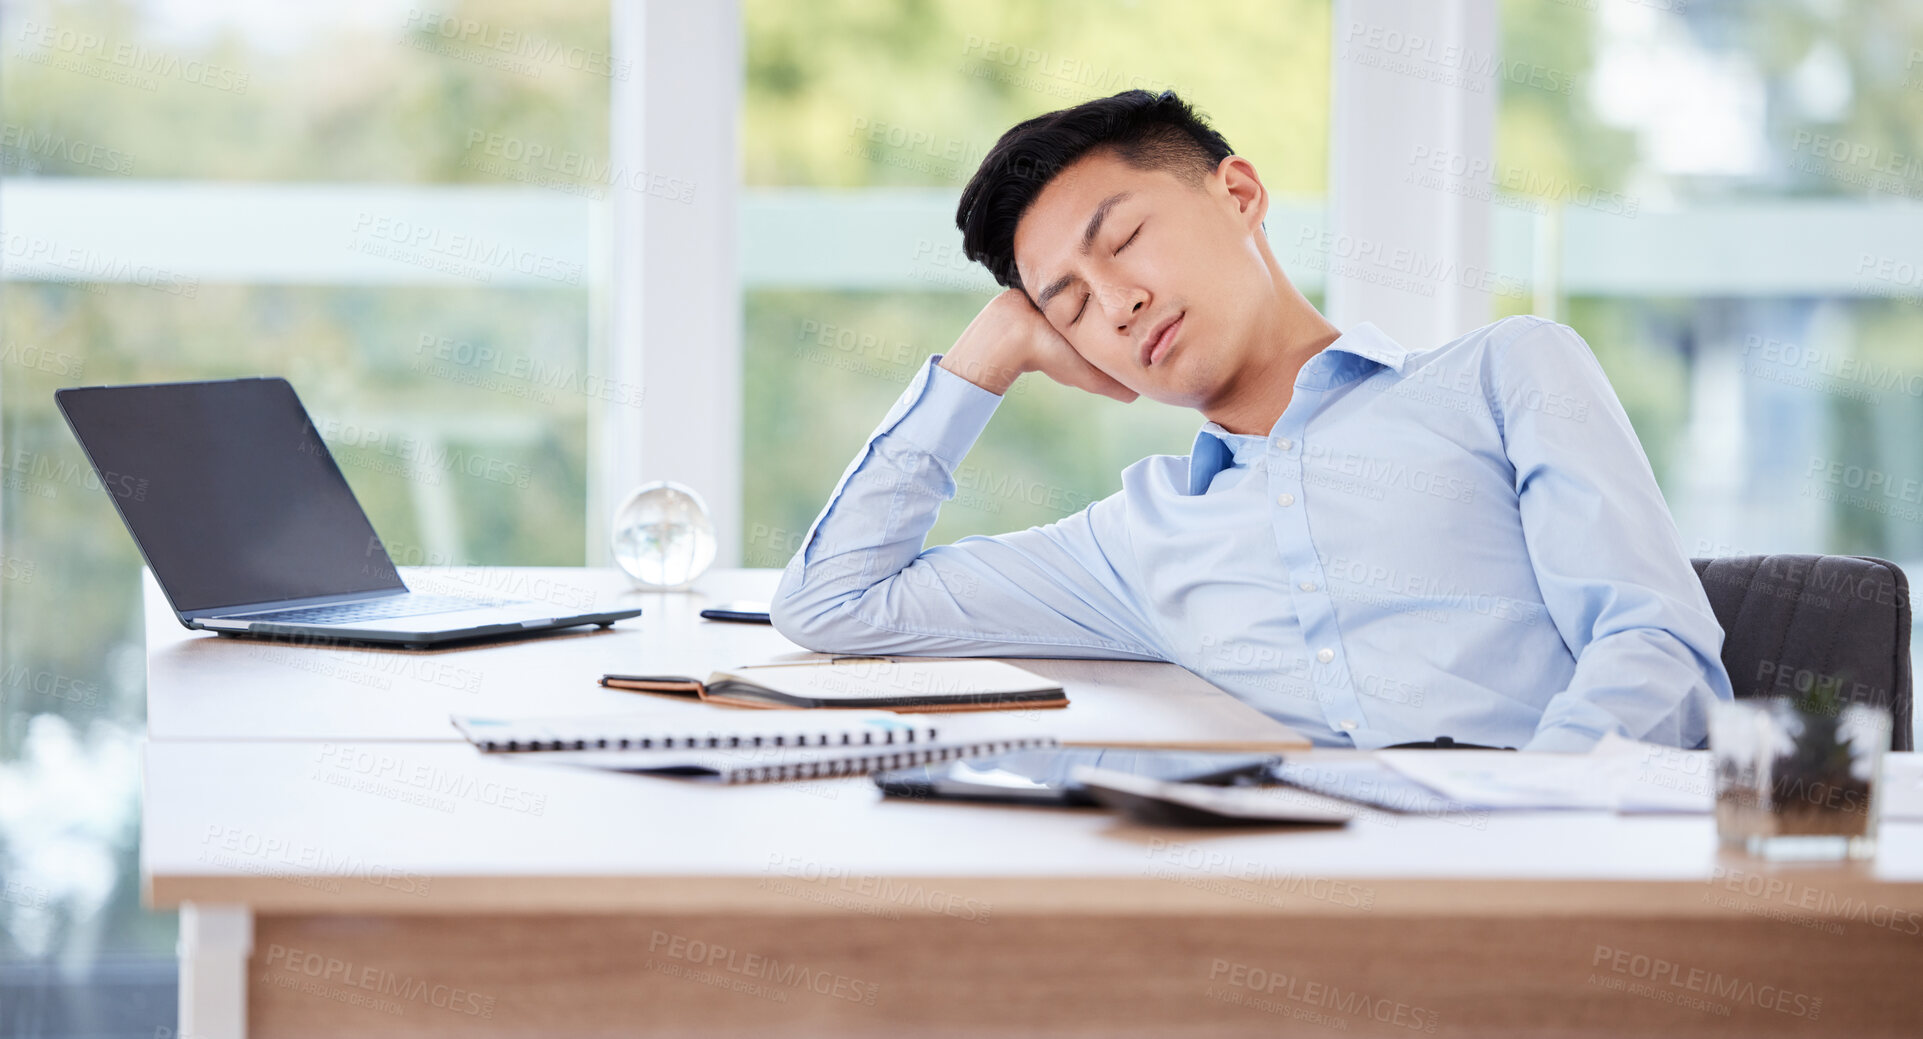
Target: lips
(1159, 341)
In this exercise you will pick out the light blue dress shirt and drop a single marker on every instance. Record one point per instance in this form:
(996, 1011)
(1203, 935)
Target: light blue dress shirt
(1464, 541)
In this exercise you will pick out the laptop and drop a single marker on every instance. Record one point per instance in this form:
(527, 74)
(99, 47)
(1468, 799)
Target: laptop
(250, 529)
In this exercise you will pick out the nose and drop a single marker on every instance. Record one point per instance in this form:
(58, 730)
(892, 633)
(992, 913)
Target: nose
(1124, 305)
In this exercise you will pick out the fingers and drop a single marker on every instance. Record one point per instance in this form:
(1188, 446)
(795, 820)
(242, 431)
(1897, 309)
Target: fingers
(1069, 368)
(1011, 318)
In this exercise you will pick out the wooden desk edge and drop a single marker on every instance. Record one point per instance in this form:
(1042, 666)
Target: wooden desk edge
(1161, 892)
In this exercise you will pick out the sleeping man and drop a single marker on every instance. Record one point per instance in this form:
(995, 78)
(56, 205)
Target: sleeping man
(1374, 542)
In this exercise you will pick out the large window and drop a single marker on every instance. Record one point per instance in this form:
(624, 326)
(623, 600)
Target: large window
(390, 204)
(1725, 204)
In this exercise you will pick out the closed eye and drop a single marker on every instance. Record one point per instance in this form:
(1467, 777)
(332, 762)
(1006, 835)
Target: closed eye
(1117, 252)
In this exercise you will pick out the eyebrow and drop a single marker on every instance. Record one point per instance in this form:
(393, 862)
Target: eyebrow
(1088, 240)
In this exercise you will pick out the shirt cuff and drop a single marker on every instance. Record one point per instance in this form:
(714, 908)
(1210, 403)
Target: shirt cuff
(948, 417)
(1564, 739)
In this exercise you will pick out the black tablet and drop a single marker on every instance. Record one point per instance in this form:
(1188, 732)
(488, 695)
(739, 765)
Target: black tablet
(1042, 777)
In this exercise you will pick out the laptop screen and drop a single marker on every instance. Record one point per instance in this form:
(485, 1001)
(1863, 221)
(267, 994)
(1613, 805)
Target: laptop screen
(229, 491)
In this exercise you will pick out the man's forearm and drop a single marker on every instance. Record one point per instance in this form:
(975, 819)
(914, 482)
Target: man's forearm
(979, 367)
(862, 582)
(882, 509)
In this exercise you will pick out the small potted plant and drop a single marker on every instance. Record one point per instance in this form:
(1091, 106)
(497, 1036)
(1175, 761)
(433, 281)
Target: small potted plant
(1796, 775)
(1816, 785)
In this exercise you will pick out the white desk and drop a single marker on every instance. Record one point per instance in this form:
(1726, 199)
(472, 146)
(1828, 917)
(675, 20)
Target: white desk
(373, 886)
(202, 686)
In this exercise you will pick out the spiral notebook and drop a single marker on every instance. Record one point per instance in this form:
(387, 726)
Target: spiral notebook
(764, 749)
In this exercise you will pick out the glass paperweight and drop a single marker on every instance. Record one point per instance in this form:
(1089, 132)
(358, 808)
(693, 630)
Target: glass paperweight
(663, 537)
(1796, 777)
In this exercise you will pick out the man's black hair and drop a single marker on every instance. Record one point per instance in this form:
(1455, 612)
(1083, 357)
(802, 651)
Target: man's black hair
(1147, 131)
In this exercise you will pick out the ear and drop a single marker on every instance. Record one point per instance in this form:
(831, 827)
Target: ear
(1243, 190)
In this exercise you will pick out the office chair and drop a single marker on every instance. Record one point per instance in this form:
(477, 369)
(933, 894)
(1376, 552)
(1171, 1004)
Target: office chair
(1792, 622)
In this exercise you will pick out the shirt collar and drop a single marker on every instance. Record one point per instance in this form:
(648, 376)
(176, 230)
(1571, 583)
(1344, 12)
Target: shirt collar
(1360, 351)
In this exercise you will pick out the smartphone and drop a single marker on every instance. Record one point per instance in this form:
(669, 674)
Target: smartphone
(740, 612)
(1044, 777)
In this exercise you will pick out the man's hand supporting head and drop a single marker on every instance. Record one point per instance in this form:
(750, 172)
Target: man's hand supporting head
(1010, 337)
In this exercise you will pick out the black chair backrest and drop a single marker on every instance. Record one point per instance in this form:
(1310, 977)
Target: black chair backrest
(1795, 623)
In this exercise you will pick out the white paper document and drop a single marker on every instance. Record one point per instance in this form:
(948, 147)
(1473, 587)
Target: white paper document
(1619, 775)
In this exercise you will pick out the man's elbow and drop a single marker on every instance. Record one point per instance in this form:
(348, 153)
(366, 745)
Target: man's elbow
(805, 618)
(801, 623)
(828, 627)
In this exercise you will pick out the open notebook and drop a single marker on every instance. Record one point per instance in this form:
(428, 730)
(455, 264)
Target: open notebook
(751, 749)
(918, 684)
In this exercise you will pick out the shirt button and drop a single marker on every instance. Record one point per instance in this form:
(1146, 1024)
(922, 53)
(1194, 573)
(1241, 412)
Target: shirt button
(1307, 586)
(1284, 443)
(1286, 499)
(1349, 725)
(1325, 655)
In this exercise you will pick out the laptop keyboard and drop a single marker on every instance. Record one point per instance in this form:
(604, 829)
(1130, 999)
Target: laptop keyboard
(409, 605)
